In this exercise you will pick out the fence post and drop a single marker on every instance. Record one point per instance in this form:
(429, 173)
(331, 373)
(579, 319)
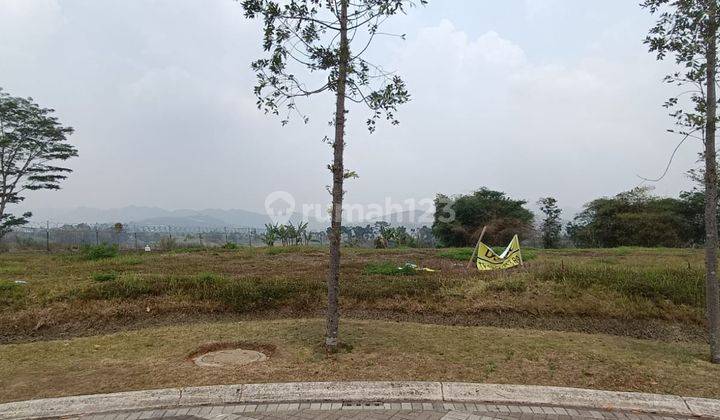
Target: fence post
(135, 239)
(250, 234)
(226, 235)
(97, 237)
(47, 236)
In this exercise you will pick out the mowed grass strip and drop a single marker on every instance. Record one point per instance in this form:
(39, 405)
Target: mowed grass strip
(157, 357)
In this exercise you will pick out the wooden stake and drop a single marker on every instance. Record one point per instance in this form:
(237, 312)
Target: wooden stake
(474, 254)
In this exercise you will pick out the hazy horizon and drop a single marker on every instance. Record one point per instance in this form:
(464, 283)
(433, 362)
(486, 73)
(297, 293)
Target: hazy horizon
(160, 95)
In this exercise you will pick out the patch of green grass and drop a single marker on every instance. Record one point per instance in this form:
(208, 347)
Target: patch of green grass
(248, 294)
(460, 254)
(98, 252)
(186, 249)
(12, 269)
(230, 245)
(683, 286)
(101, 277)
(389, 269)
(129, 260)
(275, 250)
(239, 294)
(12, 295)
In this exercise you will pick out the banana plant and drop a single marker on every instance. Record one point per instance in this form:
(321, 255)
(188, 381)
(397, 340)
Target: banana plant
(270, 235)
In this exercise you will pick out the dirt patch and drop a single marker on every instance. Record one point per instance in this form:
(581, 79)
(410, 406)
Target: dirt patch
(267, 349)
(231, 354)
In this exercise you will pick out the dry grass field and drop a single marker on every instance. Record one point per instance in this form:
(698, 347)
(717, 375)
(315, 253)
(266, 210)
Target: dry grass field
(622, 319)
(643, 293)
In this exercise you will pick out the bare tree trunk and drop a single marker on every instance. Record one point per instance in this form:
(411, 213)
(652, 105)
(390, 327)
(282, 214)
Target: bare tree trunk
(338, 171)
(711, 190)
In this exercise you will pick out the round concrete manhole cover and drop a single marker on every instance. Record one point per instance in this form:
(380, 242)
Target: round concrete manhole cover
(230, 357)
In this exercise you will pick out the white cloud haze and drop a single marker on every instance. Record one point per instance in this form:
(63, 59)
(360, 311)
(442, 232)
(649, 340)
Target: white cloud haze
(533, 97)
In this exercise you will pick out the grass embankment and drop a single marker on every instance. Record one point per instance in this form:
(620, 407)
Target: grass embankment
(158, 357)
(654, 293)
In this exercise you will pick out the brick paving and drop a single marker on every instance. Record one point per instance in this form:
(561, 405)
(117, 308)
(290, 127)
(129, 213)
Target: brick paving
(380, 411)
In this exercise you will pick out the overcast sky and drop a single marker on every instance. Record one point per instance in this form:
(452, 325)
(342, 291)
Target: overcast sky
(531, 97)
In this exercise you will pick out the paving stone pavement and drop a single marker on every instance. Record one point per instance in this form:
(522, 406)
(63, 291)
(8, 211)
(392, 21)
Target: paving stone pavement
(382, 411)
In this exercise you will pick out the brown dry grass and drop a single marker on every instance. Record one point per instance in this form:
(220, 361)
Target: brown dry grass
(157, 357)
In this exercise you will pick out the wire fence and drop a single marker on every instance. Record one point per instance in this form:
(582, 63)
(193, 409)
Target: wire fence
(71, 237)
(51, 238)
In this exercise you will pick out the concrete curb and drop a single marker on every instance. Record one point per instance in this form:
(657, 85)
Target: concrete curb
(361, 391)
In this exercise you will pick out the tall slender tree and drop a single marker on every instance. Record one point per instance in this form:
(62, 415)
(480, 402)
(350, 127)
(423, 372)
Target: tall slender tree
(32, 142)
(687, 30)
(551, 225)
(332, 37)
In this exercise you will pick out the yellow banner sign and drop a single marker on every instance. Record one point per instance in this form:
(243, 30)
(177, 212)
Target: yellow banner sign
(487, 259)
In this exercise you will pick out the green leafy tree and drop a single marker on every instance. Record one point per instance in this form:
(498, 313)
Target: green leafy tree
(331, 38)
(687, 30)
(32, 143)
(636, 218)
(460, 219)
(551, 226)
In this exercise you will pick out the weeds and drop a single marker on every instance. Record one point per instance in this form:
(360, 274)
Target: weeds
(98, 252)
(101, 277)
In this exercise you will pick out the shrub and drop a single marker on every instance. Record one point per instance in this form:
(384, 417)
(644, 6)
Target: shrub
(103, 276)
(98, 252)
(230, 245)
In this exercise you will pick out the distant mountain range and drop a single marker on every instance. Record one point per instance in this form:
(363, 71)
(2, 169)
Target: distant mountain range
(208, 218)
